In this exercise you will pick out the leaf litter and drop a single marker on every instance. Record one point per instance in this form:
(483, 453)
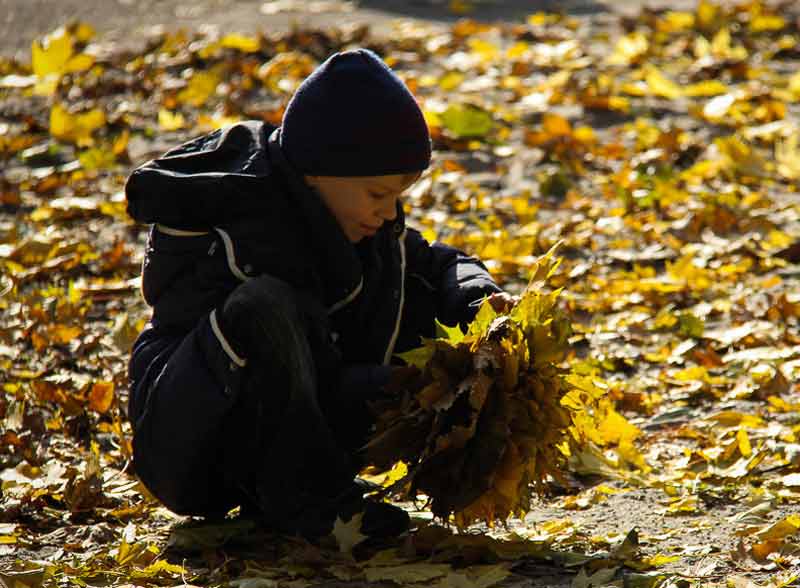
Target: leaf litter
(660, 150)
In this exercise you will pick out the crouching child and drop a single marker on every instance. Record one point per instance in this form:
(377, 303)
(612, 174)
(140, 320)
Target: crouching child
(283, 281)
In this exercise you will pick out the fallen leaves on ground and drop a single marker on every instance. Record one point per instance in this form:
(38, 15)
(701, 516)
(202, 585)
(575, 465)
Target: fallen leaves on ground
(660, 149)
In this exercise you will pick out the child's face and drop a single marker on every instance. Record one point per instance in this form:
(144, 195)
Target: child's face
(361, 204)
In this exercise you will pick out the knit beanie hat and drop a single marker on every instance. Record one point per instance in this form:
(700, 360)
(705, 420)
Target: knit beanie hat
(354, 117)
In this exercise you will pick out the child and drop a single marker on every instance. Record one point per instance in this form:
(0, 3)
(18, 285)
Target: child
(283, 281)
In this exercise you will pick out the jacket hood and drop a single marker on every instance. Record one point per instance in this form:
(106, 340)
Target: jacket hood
(205, 182)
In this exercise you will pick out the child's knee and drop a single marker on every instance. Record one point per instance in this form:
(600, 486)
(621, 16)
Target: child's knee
(266, 318)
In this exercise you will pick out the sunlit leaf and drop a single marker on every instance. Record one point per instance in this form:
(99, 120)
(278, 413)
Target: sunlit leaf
(465, 120)
(51, 55)
(780, 529)
(97, 158)
(629, 49)
(767, 22)
(787, 155)
(706, 88)
(660, 85)
(76, 128)
(101, 396)
(242, 43)
(202, 85)
(170, 121)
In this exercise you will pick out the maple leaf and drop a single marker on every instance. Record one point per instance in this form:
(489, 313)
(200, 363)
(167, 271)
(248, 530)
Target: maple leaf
(348, 533)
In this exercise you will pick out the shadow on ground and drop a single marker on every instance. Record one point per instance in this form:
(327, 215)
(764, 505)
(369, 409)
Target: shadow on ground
(484, 10)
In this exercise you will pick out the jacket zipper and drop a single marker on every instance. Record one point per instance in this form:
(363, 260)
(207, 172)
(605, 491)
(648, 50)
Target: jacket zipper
(390, 349)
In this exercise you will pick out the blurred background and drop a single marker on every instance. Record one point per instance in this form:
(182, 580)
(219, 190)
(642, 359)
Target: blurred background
(23, 20)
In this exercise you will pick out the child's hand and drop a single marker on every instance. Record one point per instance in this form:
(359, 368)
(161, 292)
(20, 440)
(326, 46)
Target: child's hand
(502, 302)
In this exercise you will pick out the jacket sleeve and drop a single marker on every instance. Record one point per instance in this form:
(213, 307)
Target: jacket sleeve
(457, 280)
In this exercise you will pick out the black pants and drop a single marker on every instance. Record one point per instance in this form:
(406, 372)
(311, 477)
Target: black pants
(210, 434)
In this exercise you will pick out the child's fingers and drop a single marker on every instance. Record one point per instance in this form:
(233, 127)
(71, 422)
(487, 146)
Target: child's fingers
(502, 301)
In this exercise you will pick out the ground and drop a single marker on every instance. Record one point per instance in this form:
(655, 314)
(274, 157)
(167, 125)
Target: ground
(23, 20)
(673, 209)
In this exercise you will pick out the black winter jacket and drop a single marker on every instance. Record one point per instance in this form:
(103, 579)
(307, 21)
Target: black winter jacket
(227, 206)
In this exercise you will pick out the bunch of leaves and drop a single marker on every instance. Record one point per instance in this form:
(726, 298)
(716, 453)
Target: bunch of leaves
(494, 415)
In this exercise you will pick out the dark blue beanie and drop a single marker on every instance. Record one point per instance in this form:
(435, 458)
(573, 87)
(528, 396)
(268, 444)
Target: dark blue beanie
(354, 117)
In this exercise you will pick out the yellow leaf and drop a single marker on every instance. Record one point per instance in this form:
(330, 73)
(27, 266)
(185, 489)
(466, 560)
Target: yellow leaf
(46, 86)
(659, 560)
(707, 14)
(731, 418)
(740, 156)
(787, 155)
(555, 125)
(51, 54)
(485, 50)
(76, 128)
(77, 63)
(539, 19)
(386, 479)
(467, 121)
(451, 80)
(763, 549)
(83, 32)
(706, 88)
(660, 85)
(744, 442)
(780, 529)
(777, 240)
(120, 144)
(674, 21)
(201, 86)
(518, 50)
(722, 48)
(628, 452)
(432, 118)
(767, 22)
(614, 427)
(629, 49)
(63, 334)
(794, 85)
(683, 505)
(170, 121)
(101, 396)
(159, 568)
(97, 158)
(243, 43)
(453, 335)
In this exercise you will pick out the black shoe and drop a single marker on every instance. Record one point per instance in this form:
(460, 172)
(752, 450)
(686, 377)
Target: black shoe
(379, 520)
(382, 520)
